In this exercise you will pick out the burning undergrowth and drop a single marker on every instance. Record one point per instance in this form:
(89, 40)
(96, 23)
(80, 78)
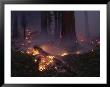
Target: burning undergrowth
(45, 59)
(52, 57)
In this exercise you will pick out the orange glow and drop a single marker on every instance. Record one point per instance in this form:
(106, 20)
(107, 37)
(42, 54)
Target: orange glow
(29, 50)
(82, 40)
(64, 54)
(32, 51)
(35, 52)
(78, 52)
(22, 44)
(35, 60)
(45, 61)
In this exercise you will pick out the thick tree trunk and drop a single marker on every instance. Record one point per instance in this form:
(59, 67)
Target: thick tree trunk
(86, 25)
(14, 25)
(68, 28)
(57, 24)
(44, 22)
(23, 24)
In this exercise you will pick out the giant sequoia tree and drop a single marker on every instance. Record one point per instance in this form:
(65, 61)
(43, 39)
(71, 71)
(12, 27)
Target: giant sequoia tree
(14, 24)
(58, 24)
(68, 28)
(44, 16)
(23, 24)
(86, 25)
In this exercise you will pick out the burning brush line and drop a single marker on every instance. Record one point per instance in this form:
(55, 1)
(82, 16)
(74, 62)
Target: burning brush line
(45, 60)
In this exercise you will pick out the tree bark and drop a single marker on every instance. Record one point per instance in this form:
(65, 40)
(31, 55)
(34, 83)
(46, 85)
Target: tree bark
(44, 23)
(23, 24)
(68, 27)
(86, 25)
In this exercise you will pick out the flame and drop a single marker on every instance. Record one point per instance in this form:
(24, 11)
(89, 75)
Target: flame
(26, 38)
(45, 61)
(42, 65)
(64, 54)
(35, 52)
(35, 60)
(78, 52)
(29, 51)
(82, 40)
(32, 51)
(22, 44)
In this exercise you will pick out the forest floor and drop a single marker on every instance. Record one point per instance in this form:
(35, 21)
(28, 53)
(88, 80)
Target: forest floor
(82, 65)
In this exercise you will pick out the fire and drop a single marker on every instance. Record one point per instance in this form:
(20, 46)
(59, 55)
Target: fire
(82, 40)
(42, 65)
(78, 52)
(35, 60)
(22, 44)
(50, 59)
(29, 51)
(26, 38)
(35, 52)
(45, 62)
(32, 51)
(64, 54)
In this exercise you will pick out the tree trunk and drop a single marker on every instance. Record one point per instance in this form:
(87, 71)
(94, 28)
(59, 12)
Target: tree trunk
(14, 25)
(57, 24)
(44, 23)
(68, 28)
(23, 24)
(86, 25)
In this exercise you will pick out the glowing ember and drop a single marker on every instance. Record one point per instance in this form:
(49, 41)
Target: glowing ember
(55, 67)
(50, 57)
(26, 38)
(35, 52)
(32, 51)
(22, 44)
(82, 40)
(64, 54)
(29, 51)
(41, 67)
(78, 52)
(35, 60)
(22, 51)
(45, 62)
(92, 50)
